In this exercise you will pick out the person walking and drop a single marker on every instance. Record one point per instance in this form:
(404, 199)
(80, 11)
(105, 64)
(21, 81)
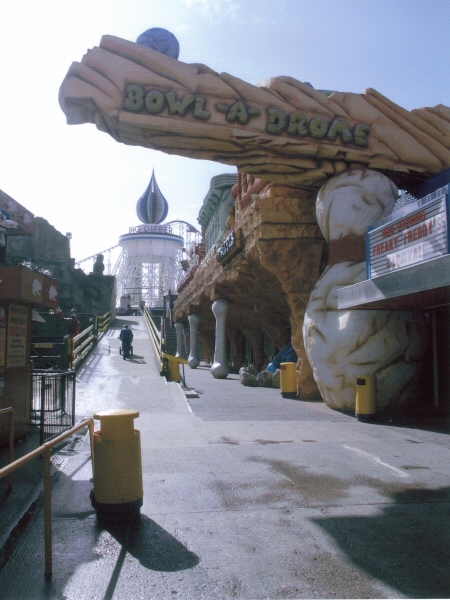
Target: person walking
(126, 335)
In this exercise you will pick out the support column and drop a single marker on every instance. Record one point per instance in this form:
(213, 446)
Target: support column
(179, 328)
(193, 360)
(219, 369)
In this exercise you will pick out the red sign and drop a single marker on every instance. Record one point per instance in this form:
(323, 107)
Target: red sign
(20, 283)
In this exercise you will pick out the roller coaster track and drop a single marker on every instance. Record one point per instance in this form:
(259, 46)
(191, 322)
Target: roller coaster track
(107, 252)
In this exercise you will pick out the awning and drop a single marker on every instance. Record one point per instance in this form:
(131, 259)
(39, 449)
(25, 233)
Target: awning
(419, 287)
(36, 317)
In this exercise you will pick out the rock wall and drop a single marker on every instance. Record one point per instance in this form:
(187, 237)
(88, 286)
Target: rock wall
(49, 249)
(268, 283)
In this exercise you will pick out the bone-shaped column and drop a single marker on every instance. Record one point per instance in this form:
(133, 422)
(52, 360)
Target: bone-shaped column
(193, 360)
(219, 369)
(179, 328)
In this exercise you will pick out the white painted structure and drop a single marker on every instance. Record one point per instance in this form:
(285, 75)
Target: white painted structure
(149, 266)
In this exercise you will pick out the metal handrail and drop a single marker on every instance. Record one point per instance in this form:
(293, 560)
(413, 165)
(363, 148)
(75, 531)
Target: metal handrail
(155, 336)
(79, 352)
(82, 334)
(46, 451)
(104, 321)
(10, 410)
(158, 344)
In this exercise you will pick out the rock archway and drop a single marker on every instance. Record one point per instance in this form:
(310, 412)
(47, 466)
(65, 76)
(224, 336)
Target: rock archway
(282, 132)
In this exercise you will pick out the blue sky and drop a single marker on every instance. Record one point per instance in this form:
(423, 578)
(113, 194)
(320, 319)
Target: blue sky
(84, 182)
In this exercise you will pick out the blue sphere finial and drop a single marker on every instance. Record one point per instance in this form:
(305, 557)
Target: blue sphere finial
(160, 40)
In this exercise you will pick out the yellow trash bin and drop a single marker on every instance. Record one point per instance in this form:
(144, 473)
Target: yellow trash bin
(118, 490)
(288, 379)
(366, 398)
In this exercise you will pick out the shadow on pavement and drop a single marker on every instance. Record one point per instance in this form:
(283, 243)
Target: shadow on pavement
(120, 322)
(137, 359)
(406, 546)
(151, 545)
(91, 365)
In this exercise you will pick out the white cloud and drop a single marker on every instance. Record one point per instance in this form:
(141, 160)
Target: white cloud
(216, 8)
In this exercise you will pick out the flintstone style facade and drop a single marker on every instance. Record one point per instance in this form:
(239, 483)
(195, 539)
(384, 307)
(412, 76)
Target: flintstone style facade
(342, 345)
(287, 140)
(268, 282)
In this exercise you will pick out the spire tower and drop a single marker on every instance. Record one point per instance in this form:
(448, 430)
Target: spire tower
(149, 264)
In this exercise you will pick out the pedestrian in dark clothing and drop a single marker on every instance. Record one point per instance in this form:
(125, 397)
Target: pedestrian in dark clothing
(126, 335)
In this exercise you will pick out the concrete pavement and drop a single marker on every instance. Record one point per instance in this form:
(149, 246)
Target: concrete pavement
(246, 495)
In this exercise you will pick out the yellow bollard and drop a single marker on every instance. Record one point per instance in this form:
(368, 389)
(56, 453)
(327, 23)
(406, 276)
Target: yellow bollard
(173, 362)
(118, 489)
(366, 397)
(288, 379)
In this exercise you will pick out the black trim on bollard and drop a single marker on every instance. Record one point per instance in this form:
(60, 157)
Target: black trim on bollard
(366, 418)
(116, 512)
(366, 398)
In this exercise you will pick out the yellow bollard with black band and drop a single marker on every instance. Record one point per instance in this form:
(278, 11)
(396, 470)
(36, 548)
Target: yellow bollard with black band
(288, 379)
(366, 398)
(118, 489)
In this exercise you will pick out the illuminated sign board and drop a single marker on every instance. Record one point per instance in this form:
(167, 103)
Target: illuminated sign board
(416, 237)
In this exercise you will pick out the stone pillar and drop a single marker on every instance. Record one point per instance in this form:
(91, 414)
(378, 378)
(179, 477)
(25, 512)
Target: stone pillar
(219, 369)
(193, 360)
(179, 328)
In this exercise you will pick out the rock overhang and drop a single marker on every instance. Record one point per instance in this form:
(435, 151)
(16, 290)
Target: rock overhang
(281, 131)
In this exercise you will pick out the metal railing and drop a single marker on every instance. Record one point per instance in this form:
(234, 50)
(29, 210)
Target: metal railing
(52, 402)
(168, 364)
(49, 355)
(104, 321)
(155, 338)
(10, 411)
(55, 352)
(46, 451)
(80, 348)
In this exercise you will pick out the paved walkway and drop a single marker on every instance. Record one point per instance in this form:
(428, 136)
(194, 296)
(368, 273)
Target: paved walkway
(246, 495)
